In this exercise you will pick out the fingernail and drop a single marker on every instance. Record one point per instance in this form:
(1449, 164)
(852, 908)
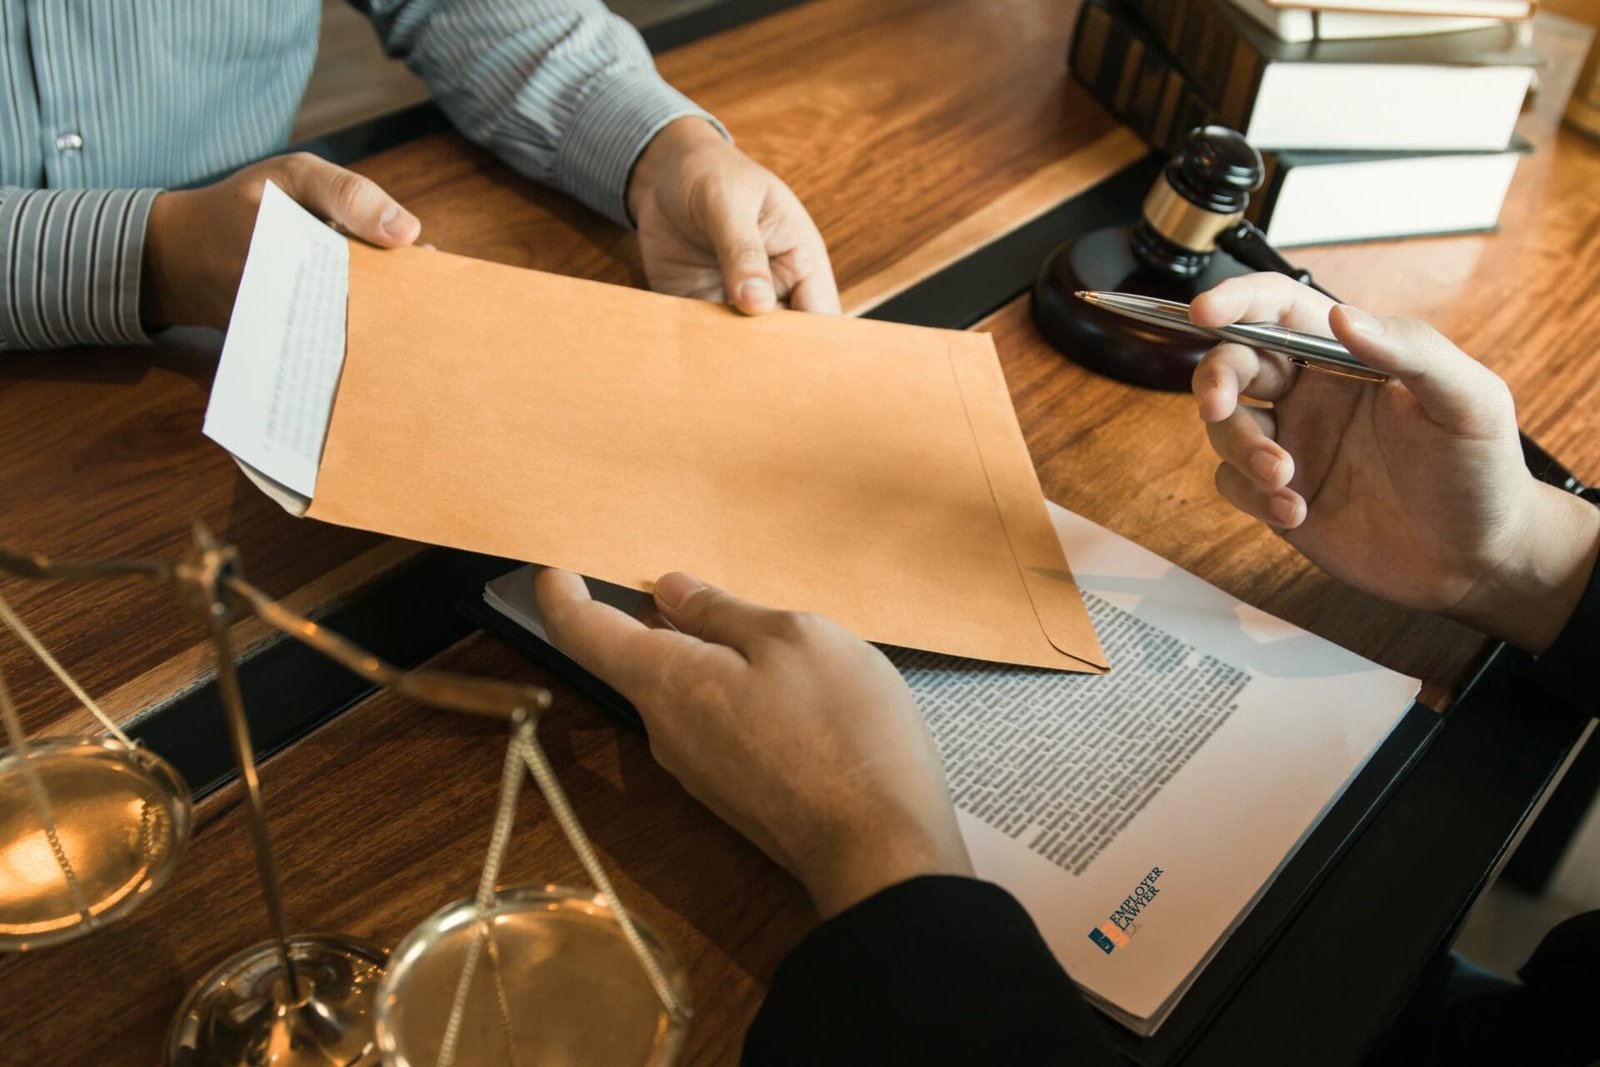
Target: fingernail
(676, 588)
(1284, 509)
(756, 292)
(1361, 322)
(1264, 465)
(397, 222)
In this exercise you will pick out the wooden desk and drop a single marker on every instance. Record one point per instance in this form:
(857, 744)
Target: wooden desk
(383, 815)
(903, 166)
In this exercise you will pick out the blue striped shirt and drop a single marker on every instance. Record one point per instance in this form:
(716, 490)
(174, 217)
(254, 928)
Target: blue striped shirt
(105, 102)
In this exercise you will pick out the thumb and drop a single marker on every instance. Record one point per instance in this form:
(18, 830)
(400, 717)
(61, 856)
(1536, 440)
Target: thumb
(1454, 390)
(742, 255)
(357, 204)
(709, 613)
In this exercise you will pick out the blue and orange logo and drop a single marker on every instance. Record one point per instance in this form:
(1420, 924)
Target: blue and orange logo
(1108, 937)
(1123, 923)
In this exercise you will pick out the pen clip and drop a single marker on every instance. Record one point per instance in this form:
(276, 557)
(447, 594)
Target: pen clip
(1338, 370)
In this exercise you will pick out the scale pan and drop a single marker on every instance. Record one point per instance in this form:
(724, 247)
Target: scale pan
(122, 819)
(557, 985)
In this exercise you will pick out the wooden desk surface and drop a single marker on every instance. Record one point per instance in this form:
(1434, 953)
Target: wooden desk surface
(383, 815)
(903, 166)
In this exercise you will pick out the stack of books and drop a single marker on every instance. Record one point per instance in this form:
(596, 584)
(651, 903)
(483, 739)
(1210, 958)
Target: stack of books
(1373, 122)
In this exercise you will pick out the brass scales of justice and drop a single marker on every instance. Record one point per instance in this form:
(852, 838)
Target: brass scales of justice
(90, 826)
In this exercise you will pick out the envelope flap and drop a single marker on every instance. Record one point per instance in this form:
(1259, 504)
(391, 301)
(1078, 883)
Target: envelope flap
(1019, 498)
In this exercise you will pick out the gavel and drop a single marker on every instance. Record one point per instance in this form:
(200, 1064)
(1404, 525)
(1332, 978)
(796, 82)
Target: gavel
(1191, 234)
(1194, 210)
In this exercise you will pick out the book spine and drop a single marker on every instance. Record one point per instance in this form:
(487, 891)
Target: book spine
(1134, 78)
(1207, 46)
(1421, 9)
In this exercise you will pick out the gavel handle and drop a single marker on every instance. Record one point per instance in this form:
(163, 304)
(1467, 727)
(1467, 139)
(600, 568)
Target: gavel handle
(1246, 243)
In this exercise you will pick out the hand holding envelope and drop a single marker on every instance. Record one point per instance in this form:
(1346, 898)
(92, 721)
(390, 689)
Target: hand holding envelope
(866, 471)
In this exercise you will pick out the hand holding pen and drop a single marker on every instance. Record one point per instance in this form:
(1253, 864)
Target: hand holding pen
(1308, 350)
(1414, 489)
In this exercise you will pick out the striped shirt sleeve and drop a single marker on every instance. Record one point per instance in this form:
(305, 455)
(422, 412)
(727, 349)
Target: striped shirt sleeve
(70, 263)
(562, 90)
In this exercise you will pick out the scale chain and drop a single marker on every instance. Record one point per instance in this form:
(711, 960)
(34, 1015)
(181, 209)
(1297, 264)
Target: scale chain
(41, 799)
(545, 777)
(499, 840)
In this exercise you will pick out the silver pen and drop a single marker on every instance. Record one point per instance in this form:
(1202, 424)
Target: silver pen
(1302, 349)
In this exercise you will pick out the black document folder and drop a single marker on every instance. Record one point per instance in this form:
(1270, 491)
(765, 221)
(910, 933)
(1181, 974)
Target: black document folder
(1275, 913)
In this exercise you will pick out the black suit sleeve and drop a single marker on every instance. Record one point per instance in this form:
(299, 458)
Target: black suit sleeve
(1566, 670)
(934, 970)
(1550, 1018)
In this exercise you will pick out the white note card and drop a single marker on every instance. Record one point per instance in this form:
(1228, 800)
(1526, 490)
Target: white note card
(274, 389)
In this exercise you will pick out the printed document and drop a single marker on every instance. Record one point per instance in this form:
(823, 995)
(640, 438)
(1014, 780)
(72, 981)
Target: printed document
(1140, 814)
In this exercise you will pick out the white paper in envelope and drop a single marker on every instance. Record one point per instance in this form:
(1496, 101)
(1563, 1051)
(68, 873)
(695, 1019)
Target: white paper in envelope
(280, 364)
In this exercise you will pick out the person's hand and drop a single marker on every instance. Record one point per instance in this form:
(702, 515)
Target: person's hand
(801, 736)
(716, 225)
(197, 239)
(1414, 490)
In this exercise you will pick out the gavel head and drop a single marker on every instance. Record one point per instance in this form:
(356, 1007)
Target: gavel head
(1196, 207)
(1200, 194)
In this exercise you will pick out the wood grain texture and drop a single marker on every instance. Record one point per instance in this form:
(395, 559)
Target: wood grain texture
(104, 457)
(1523, 300)
(891, 153)
(195, 665)
(383, 815)
(1053, 184)
(854, 104)
(951, 106)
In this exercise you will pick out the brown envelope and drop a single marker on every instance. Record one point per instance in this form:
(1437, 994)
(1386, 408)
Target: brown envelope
(871, 472)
